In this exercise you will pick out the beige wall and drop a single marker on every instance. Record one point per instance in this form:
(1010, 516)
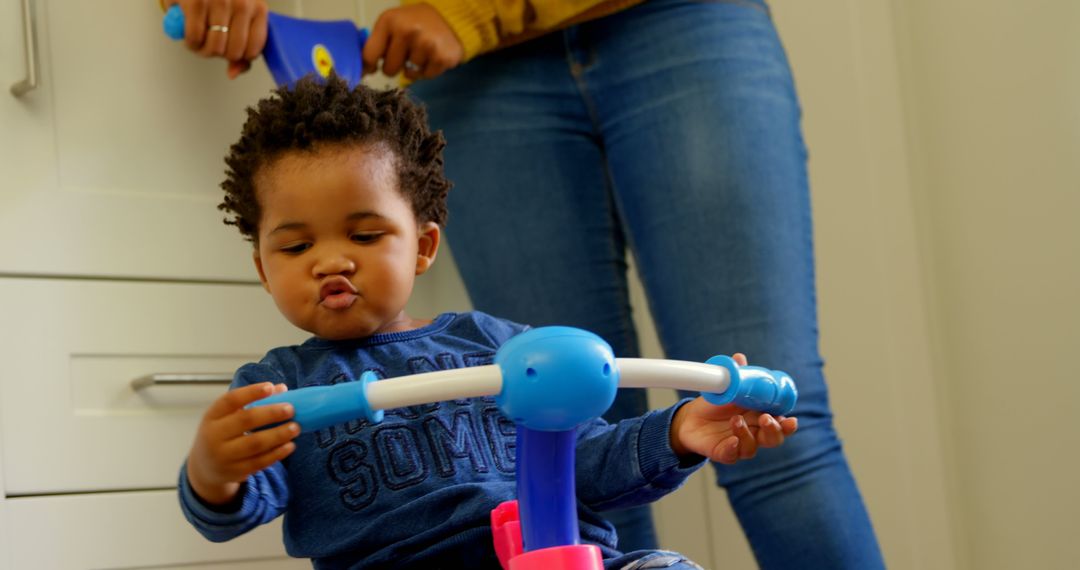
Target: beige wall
(992, 96)
(956, 125)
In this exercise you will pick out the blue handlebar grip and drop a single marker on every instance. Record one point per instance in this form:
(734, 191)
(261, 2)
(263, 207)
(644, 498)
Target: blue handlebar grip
(318, 407)
(755, 388)
(173, 22)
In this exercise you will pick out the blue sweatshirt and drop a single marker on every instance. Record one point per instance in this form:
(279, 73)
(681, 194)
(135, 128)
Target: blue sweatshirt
(417, 489)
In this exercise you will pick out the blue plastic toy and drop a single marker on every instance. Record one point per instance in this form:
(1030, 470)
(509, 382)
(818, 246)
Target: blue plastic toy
(296, 47)
(548, 380)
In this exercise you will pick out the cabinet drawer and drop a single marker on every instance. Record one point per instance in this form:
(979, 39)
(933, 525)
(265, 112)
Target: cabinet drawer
(69, 349)
(126, 530)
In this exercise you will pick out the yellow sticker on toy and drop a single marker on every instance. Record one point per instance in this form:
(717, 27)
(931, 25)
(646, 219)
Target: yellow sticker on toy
(324, 62)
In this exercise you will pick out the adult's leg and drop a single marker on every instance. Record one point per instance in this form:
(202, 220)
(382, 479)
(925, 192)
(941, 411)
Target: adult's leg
(532, 224)
(700, 122)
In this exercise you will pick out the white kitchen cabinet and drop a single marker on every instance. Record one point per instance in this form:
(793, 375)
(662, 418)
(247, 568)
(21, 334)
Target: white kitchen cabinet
(126, 530)
(88, 463)
(111, 165)
(69, 417)
(117, 265)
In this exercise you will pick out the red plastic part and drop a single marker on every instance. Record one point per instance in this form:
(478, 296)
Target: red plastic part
(506, 528)
(574, 557)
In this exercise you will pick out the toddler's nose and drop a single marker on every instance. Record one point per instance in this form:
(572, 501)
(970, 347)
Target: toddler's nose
(334, 264)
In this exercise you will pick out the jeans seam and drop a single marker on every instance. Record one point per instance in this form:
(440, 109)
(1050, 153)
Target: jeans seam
(577, 71)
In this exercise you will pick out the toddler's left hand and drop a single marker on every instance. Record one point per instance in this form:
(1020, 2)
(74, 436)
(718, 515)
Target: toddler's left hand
(729, 433)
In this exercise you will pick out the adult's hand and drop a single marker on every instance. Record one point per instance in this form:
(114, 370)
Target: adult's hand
(231, 29)
(414, 38)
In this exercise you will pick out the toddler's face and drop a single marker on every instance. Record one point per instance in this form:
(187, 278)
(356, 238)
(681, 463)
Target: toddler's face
(339, 246)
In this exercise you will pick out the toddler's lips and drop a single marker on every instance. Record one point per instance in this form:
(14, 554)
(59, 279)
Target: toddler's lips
(337, 293)
(338, 301)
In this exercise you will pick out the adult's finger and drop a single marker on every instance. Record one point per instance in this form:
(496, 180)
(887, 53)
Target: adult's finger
(218, 19)
(236, 68)
(375, 46)
(396, 54)
(436, 66)
(257, 32)
(239, 29)
(194, 23)
(419, 57)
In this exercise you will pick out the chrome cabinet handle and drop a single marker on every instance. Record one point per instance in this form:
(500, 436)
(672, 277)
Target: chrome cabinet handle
(30, 39)
(181, 379)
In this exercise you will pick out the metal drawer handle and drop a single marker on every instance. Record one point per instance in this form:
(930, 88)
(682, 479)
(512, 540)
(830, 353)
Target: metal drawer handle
(181, 379)
(30, 38)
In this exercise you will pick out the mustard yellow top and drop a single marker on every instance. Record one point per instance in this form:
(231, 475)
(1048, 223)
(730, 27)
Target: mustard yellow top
(487, 25)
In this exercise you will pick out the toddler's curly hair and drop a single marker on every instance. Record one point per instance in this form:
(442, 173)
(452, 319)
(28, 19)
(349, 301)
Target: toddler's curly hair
(316, 112)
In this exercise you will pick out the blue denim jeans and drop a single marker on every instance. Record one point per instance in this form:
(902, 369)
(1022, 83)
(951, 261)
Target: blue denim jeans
(671, 130)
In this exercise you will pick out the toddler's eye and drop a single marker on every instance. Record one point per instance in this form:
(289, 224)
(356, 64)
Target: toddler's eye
(297, 248)
(366, 237)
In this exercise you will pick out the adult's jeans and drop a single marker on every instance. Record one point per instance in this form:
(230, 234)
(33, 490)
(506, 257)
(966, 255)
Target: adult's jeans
(671, 130)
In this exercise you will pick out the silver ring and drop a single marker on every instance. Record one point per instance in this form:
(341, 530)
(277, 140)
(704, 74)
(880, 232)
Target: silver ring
(411, 66)
(217, 28)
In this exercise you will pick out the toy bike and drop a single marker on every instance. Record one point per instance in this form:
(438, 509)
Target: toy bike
(548, 381)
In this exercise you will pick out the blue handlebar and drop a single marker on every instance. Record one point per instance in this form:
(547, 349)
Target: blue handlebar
(755, 388)
(318, 407)
(553, 379)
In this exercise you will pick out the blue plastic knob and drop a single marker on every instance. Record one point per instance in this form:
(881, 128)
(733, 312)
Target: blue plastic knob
(173, 22)
(556, 378)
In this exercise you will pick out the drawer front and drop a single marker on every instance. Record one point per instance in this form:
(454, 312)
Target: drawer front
(70, 419)
(125, 530)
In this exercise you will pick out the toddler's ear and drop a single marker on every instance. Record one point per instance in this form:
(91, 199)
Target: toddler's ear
(258, 267)
(427, 245)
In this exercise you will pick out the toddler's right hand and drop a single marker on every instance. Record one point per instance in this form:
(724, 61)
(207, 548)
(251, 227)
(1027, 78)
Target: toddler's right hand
(227, 449)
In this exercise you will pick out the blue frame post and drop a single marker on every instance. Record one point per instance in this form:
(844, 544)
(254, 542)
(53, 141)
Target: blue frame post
(547, 499)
